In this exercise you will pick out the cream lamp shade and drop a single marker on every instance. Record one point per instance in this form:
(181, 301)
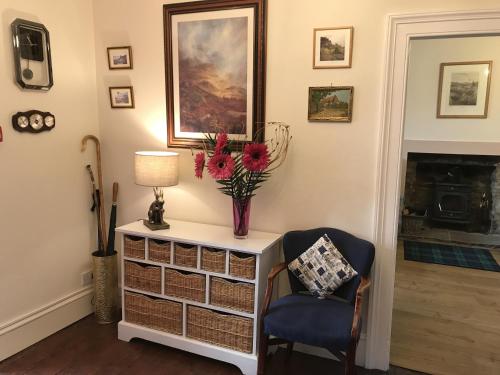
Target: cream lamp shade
(156, 168)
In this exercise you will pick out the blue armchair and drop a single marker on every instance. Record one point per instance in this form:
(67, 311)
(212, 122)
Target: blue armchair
(332, 323)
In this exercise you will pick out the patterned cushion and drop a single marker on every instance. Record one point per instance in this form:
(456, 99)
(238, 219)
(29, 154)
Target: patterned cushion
(322, 268)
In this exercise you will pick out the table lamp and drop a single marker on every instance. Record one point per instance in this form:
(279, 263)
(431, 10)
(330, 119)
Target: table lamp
(157, 169)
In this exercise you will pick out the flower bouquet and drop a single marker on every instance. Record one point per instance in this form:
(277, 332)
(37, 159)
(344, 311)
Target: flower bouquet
(242, 172)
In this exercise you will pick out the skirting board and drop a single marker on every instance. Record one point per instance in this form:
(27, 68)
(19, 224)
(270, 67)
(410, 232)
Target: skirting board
(30, 328)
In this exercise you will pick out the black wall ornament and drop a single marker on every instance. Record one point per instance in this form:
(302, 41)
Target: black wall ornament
(32, 58)
(33, 121)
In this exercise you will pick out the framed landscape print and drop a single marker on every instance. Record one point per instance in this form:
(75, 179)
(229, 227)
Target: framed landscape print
(215, 68)
(120, 57)
(332, 47)
(464, 89)
(121, 97)
(330, 104)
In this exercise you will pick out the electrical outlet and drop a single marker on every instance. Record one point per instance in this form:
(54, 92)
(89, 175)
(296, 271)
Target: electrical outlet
(86, 278)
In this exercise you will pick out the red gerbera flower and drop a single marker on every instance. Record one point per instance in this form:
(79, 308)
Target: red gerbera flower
(221, 143)
(199, 164)
(221, 166)
(255, 157)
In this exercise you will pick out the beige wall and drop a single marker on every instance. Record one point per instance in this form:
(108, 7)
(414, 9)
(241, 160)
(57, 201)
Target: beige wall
(425, 57)
(329, 178)
(45, 224)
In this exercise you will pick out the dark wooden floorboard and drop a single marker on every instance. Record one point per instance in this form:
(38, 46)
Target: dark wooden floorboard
(88, 348)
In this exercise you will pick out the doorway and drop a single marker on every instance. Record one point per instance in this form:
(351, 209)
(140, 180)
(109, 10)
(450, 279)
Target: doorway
(402, 29)
(446, 314)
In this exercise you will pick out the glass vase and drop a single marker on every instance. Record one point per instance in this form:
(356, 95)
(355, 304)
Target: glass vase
(241, 217)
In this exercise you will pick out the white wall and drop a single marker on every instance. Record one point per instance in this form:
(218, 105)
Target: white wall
(423, 131)
(46, 229)
(329, 177)
(426, 55)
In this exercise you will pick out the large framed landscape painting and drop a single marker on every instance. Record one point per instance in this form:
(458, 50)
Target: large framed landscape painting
(215, 69)
(330, 104)
(464, 89)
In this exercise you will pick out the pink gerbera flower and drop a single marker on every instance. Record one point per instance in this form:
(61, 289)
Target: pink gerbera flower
(199, 164)
(255, 157)
(221, 143)
(221, 166)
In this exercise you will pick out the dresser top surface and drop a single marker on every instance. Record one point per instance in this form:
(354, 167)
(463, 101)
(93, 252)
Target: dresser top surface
(204, 234)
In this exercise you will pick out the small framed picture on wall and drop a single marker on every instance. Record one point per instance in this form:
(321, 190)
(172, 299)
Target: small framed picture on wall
(120, 57)
(121, 97)
(464, 89)
(330, 104)
(332, 47)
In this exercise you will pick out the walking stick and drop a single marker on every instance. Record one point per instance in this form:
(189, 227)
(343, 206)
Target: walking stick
(102, 218)
(95, 195)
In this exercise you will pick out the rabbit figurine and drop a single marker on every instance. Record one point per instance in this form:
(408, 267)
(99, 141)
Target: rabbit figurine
(155, 213)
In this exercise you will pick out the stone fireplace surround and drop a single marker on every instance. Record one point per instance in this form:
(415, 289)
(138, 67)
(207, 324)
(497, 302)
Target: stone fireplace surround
(482, 172)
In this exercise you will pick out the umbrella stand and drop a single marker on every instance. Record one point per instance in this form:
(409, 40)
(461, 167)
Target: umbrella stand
(105, 288)
(106, 274)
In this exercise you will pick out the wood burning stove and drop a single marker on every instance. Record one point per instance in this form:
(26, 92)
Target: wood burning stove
(452, 203)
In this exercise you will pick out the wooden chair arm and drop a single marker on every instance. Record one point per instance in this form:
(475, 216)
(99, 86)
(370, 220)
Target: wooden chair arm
(363, 286)
(269, 290)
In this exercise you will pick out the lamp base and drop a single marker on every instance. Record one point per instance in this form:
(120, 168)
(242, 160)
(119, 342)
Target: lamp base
(163, 225)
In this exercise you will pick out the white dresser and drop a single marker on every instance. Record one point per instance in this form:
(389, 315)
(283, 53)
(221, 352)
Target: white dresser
(196, 288)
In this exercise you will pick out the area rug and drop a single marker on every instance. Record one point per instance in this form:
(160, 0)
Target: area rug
(450, 255)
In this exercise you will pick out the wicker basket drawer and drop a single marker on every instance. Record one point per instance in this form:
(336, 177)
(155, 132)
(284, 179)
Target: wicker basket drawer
(213, 260)
(186, 255)
(185, 285)
(242, 265)
(153, 313)
(229, 331)
(232, 295)
(159, 250)
(143, 277)
(134, 247)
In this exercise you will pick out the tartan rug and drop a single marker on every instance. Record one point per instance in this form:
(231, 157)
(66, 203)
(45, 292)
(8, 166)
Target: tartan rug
(450, 255)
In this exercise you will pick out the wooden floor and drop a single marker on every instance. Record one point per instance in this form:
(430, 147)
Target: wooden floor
(88, 348)
(446, 320)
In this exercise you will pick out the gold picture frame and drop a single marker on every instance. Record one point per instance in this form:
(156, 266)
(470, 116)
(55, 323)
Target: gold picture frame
(330, 104)
(332, 47)
(464, 89)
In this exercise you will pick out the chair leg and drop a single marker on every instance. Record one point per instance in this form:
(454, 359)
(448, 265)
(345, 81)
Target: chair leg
(261, 361)
(289, 350)
(350, 361)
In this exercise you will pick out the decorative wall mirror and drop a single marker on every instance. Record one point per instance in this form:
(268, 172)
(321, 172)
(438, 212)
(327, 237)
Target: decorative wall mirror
(32, 55)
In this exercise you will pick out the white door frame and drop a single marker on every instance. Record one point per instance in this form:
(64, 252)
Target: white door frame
(400, 29)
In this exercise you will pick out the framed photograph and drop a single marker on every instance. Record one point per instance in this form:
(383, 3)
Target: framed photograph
(332, 47)
(121, 97)
(464, 89)
(215, 69)
(330, 104)
(120, 57)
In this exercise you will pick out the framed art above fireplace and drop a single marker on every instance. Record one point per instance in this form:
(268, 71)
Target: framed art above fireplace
(215, 70)
(464, 89)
